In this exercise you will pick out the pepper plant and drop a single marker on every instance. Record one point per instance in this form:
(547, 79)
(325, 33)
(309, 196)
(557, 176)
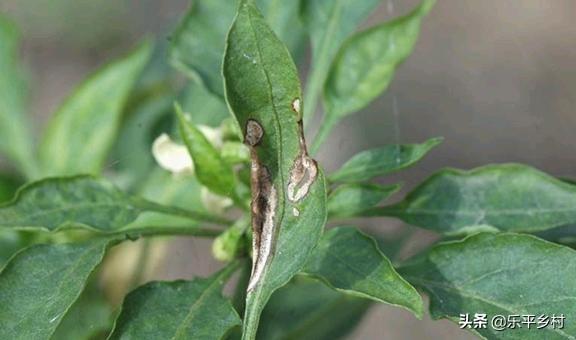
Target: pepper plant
(235, 166)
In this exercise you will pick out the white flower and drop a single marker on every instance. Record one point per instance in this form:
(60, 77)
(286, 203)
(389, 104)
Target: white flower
(172, 156)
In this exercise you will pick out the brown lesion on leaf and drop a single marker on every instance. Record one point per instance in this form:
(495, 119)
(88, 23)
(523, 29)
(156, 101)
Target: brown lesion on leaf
(304, 169)
(264, 205)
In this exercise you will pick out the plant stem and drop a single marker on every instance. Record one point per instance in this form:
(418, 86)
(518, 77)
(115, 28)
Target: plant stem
(172, 230)
(176, 211)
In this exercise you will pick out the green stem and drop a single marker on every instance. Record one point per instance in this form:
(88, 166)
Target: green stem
(171, 230)
(255, 302)
(176, 211)
(323, 133)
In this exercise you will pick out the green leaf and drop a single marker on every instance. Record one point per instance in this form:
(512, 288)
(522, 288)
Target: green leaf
(140, 128)
(89, 317)
(500, 274)
(8, 187)
(351, 200)
(15, 137)
(198, 43)
(382, 161)
(288, 189)
(81, 133)
(78, 202)
(203, 106)
(350, 262)
(235, 153)
(307, 309)
(329, 23)
(211, 170)
(38, 286)
(365, 64)
(508, 197)
(178, 310)
(284, 19)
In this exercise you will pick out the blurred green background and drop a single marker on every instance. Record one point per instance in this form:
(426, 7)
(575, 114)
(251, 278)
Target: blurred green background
(496, 78)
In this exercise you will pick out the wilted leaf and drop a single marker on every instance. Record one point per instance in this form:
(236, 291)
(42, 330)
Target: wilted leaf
(381, 161)
(178, 310)
(500, 274)
(15, 138)
(307, 309)
(81, 133)
(289, 196)
(38, 286)
(350, 200)
(509, 197)
(78, 202)
(350, 261)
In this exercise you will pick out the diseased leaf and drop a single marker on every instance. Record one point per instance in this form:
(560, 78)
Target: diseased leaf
(38, 286)
(382, 161)
(211, 170)
(307, 309)
(178, 310)
(350, 262)
(500, 274)
(79, 202)
(15, 137)
(288, 189)
(81, 133)
(350, 200)
(508, 197)
(365, 64)
(329, 22)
